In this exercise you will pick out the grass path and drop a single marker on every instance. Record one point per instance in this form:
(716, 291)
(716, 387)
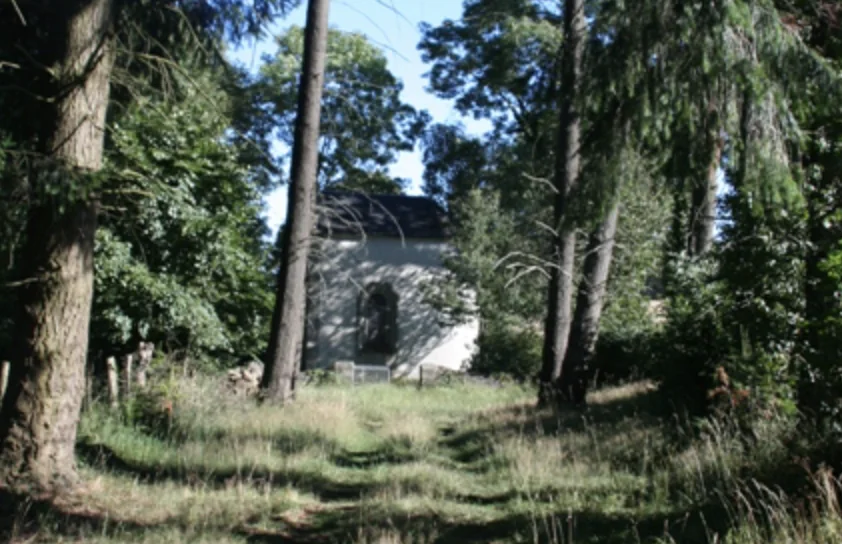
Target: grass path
(388, 464)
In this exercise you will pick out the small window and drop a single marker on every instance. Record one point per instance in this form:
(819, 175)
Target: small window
(378, 320)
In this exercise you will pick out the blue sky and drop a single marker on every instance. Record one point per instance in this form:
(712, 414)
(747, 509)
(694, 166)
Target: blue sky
(392, 25)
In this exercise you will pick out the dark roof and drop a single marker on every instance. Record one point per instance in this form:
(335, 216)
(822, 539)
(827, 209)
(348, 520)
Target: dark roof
(352, 214)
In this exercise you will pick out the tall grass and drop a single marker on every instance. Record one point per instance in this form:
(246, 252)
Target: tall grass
(462, 463)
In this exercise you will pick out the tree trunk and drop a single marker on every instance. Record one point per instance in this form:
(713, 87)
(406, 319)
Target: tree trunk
(566, 179)
(573, 383)
(288, 317)
(703, 211)
(47, 383)
(816, 392)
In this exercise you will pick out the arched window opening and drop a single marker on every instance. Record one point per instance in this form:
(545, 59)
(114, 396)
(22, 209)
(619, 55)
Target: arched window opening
(378, 320)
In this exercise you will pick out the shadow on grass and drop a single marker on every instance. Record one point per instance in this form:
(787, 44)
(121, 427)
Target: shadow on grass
(355, 525)
(323, 487)
(390, 454)
(470, 448)
(287, 441)
(23, 518)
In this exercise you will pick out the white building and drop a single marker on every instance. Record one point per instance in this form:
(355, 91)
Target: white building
(366, 298)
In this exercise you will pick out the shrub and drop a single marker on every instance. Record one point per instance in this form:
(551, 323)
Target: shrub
(694, 341)
(153, 409)
(505, 349)
(320, 377)
(705, 329)
(625, 357)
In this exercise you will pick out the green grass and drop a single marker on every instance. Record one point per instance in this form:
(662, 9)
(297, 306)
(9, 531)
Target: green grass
(462, 463)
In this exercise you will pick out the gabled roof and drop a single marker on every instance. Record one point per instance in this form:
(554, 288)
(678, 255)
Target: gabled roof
(356, 214)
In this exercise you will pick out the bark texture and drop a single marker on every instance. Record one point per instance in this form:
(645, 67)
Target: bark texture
(559, 305)
(573, 383)
(703, 210)
(288, 317)
(47, 382)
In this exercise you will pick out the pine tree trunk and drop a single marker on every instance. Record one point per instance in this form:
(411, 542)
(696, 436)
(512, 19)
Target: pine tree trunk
(573, 383)
(559, 305)
(47, 383)
(288, 318)
(816, 381)
(703, 211)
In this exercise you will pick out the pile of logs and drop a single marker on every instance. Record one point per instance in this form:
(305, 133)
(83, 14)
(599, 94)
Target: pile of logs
(245, 380)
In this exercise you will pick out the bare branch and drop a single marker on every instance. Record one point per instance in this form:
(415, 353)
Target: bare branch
(19, 12)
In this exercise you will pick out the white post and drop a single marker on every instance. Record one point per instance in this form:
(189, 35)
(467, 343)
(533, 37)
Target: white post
(113, 387)
(127, 375)
(5, 367)
(145, 350)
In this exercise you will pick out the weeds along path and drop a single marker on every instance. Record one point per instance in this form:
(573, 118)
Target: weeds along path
(390, 464)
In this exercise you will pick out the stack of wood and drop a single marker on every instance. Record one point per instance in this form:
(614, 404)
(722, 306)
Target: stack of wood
(245, 380)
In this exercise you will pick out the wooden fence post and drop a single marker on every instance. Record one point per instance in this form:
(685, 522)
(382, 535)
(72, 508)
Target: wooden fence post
(145, 351)
(127, 376)
(113, 387)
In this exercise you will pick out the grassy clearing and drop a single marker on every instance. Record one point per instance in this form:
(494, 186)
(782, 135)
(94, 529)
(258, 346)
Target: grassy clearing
(464, 463)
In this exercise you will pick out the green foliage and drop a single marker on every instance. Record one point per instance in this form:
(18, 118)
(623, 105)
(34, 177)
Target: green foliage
(508, 350)
(498, 62)
(625, 355)
(708, 325)
(694, 340)
(479, 279)
(152, 411)
(181, 258)
(364, 123)
(321, 377)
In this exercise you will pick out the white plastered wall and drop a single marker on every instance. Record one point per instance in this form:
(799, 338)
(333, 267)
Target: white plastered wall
(345, 266)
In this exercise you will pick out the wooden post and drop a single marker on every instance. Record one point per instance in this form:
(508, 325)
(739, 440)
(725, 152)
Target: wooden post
(127, 375)
(5, 366)
(145, 351)
(141, 378)
(113, 387)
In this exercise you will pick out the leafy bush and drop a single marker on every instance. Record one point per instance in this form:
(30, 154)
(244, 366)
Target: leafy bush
(508, 350)
(694, 341)
(153, 409)
(624, 357)
(706, 328)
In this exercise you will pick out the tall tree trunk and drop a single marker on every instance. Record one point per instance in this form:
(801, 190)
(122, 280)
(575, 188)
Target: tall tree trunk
(288, 318)
(573, 382)
(703, 210)
(817, 383)
(809, 379)
(47, 383)
(559, 306)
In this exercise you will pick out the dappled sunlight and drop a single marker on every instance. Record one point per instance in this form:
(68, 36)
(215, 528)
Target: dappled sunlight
(390, 463)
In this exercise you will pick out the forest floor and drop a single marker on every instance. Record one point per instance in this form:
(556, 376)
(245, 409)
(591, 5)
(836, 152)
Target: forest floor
(392, 464)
